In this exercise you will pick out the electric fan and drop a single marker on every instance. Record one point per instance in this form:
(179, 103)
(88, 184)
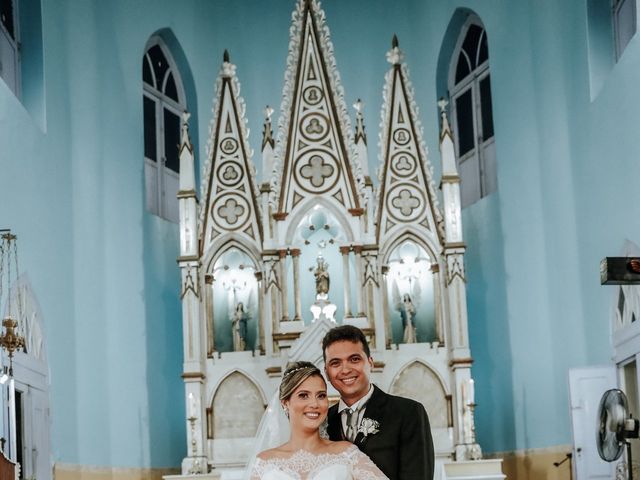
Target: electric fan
(615, 426)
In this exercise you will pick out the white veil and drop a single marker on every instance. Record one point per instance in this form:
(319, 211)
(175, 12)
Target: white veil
(273, 431)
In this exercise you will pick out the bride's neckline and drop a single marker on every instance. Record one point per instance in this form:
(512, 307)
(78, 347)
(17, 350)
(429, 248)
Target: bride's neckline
(301, 452)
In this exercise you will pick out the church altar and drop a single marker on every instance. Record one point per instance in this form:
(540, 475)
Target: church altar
(267, 269)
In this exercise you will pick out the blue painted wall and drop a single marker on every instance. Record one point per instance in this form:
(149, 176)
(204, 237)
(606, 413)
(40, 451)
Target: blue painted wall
(71, 187)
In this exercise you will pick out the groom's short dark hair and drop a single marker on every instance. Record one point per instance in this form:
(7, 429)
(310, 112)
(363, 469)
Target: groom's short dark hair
(342, 333)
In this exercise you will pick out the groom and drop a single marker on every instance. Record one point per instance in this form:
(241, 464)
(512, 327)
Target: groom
(393, 431)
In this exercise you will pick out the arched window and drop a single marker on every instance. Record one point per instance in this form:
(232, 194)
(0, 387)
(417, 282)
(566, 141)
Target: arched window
(164, 102)
(624, 23)
(9, 41)
(470, 92)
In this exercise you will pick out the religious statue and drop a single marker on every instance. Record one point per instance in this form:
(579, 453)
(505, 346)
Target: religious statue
(408, 314)
(321, 274)
(239, 328)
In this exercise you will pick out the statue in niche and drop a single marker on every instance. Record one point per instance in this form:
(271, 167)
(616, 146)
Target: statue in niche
(239, 327)
(408, 314)
(321, 274)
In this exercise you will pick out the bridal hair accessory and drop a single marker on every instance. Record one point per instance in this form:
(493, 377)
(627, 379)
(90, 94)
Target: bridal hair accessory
(369, 426)
(294, 370)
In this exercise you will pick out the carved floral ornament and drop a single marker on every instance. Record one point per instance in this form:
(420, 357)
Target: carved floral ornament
(405, 202)
(316, 170)
(231, 211)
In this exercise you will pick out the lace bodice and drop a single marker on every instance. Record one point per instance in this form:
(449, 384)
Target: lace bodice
(350, 464)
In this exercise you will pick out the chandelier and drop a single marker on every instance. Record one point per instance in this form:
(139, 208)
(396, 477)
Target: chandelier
(10, 339)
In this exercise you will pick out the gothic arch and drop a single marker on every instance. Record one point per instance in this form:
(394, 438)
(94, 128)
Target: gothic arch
(302, 209)
(239, 389)
(420, 382)
(428, 243)
(225, 243)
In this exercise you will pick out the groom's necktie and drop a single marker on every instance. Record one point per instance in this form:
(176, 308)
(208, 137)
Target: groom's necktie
(352, 424)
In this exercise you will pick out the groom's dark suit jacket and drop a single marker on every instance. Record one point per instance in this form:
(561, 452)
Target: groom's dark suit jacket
(403, 447)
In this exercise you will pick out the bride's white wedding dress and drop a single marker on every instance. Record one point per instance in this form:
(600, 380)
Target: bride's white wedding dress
(351, 464)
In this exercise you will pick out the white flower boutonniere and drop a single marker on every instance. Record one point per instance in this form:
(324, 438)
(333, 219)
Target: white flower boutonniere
(368, 426)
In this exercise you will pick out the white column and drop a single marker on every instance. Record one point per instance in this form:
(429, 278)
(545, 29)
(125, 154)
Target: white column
(357, 249)
(282, 255)
(269, 303)
(344, 251)
(295, 255)
(260, 317)
(437, 296)
(208, 297)
(385, 307)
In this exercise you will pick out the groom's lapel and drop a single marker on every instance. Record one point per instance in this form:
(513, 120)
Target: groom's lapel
(374, 411)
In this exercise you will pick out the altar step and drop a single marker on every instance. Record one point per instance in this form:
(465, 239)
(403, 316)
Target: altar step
(200, 476)
(490, 469)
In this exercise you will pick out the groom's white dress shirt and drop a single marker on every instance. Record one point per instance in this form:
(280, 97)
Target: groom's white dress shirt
(360, 406)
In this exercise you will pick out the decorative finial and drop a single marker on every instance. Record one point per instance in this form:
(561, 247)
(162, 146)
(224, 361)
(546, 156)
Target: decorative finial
(359, 105)
(268, 111)
(445, 129)
(395, 55)
(442, 103)
(184, 138)
(228, 68)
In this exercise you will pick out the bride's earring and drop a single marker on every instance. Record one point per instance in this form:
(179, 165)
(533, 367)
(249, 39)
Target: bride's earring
(286, 410)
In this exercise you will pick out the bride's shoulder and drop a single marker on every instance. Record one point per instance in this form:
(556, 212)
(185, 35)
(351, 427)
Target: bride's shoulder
(340, 447)
(278, 452)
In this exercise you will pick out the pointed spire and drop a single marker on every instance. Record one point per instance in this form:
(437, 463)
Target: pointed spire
(184, 137)
(447, 152)
(225, 56)
(394, 41)
(360, 133)
(229, 189)
(313, 99)
(361, 138)
(267, 145)
(187, 181)
(445, 129)
(267, 132)
(406, 196)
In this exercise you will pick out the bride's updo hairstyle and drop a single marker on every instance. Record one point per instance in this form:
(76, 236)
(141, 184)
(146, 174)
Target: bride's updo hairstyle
(294, 375)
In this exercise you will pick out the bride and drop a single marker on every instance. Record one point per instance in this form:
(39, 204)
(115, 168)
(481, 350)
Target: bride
(307, 455)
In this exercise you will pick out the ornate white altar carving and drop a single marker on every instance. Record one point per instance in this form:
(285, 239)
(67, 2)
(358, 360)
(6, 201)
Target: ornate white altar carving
(260, 246)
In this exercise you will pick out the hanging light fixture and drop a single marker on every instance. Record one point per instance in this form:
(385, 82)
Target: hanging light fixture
(10, 339)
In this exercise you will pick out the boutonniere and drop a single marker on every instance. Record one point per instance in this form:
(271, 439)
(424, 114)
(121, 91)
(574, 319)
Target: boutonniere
(368, 426)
